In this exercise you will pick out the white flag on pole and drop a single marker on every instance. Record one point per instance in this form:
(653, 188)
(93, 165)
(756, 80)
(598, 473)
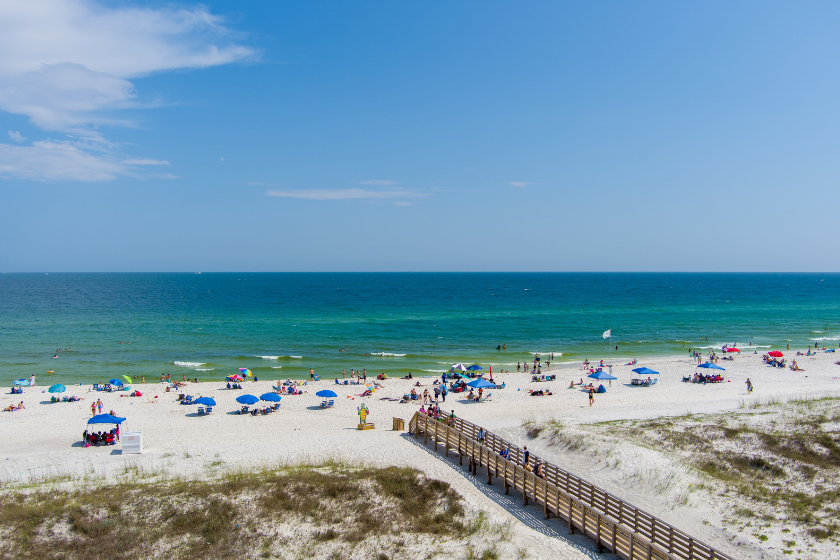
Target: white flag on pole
(608, 333)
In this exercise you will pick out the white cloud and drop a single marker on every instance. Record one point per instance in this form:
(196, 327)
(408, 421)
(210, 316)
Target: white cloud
(342, 194)
(64, 161)
(68, 64)
(379, 182)
(519, 184)
(402, 203)
(16, 136)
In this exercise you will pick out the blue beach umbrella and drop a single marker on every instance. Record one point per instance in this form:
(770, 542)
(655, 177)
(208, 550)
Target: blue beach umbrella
(327, 394)
(601, 375)
(116, 382)
(106, 419)
(710, 365)
(475, 367)
(645, 371)
(205, 401)
(270, 397)
(57, 388)
(21, 382)
(481, 384)
(247, 399)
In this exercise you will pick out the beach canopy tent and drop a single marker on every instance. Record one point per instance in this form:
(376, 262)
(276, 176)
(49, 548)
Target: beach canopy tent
(481, 384)
(106, 419)
(710, 365)
(459, 367)
(475, 367)
(645, 371)
(601, 375)
(247, 399)
(731, 350)
(327, 394)
(21, 382)
(116, 382)
(270, 397)
(775, 354)
(207, 401)
(57, 388)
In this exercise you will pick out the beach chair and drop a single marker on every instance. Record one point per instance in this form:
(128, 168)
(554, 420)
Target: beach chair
(331, 403)
(487, 397)
(201, 410)
(243, 410)
(324, 404)
(208, 410)
(96, 386)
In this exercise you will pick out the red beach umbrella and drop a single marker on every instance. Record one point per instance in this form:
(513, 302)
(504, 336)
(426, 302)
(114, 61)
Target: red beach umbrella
(775, 354)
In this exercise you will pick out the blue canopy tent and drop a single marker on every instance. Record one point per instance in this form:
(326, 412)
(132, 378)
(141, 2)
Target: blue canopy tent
(207, 401)
(57, 388)
(481, 384)
(644, 382)
(106, 419)
(475, 367)
(326, 394)
(22, 383)
(710, 365)
(601, 375)
(271, 397)
(247, 399)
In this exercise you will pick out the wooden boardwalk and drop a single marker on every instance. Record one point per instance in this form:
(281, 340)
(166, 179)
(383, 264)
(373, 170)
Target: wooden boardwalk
(612, 523)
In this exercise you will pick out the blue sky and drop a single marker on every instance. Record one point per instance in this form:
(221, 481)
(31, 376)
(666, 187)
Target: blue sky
(285, 136)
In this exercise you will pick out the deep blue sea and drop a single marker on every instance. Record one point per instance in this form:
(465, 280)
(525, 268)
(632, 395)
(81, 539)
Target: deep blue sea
(282, 324)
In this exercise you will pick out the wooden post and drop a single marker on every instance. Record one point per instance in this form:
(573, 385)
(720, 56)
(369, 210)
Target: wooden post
(613, 538)
(690, 547)
(460, 451)
(426, 431)
(670, 539)
(598, 532)
(489, 472)
(571, 523)
(545, 500)
(446, 443)
(525, 487)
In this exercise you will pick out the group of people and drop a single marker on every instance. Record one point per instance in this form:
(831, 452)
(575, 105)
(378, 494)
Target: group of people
(14, 407)
(102, 438)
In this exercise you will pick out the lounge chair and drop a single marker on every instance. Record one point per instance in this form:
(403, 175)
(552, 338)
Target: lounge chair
(201, 410)
(487, 397)
(209, 409)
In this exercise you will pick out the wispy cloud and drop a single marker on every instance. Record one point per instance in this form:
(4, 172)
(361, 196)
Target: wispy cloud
(379, 182)
(403, 203)
(68, 64)
(343, 194)
(16, 136)
(519, 184)
(66, 161)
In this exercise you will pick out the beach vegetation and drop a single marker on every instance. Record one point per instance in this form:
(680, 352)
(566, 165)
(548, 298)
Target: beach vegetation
(326, 510)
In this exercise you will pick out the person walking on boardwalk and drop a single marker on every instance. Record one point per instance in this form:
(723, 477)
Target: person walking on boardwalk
(525, 455)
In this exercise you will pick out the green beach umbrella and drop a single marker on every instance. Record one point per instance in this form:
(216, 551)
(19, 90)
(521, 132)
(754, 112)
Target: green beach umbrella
(127, 379)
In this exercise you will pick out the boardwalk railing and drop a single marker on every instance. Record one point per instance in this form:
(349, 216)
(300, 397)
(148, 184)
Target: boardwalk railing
(611, 522)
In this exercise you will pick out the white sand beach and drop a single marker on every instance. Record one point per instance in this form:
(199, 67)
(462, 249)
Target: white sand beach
(43, 441)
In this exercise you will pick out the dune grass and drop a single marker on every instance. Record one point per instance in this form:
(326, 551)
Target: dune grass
(303, 511)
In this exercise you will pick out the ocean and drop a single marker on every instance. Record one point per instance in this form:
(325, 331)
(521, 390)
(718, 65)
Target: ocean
(280, 325)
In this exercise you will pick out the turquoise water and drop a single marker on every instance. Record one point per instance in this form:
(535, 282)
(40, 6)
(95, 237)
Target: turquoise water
(208, 325)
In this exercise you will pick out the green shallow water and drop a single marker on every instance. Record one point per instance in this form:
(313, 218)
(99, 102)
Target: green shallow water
(208, 325)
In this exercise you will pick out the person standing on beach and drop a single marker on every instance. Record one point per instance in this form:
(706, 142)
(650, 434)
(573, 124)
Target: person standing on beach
(517, 367)
(32, 381)
(364, 374)
(443, 392)
(591, 397)
(749, 386)
(343, 373)
(93, 409)
(99, 405)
